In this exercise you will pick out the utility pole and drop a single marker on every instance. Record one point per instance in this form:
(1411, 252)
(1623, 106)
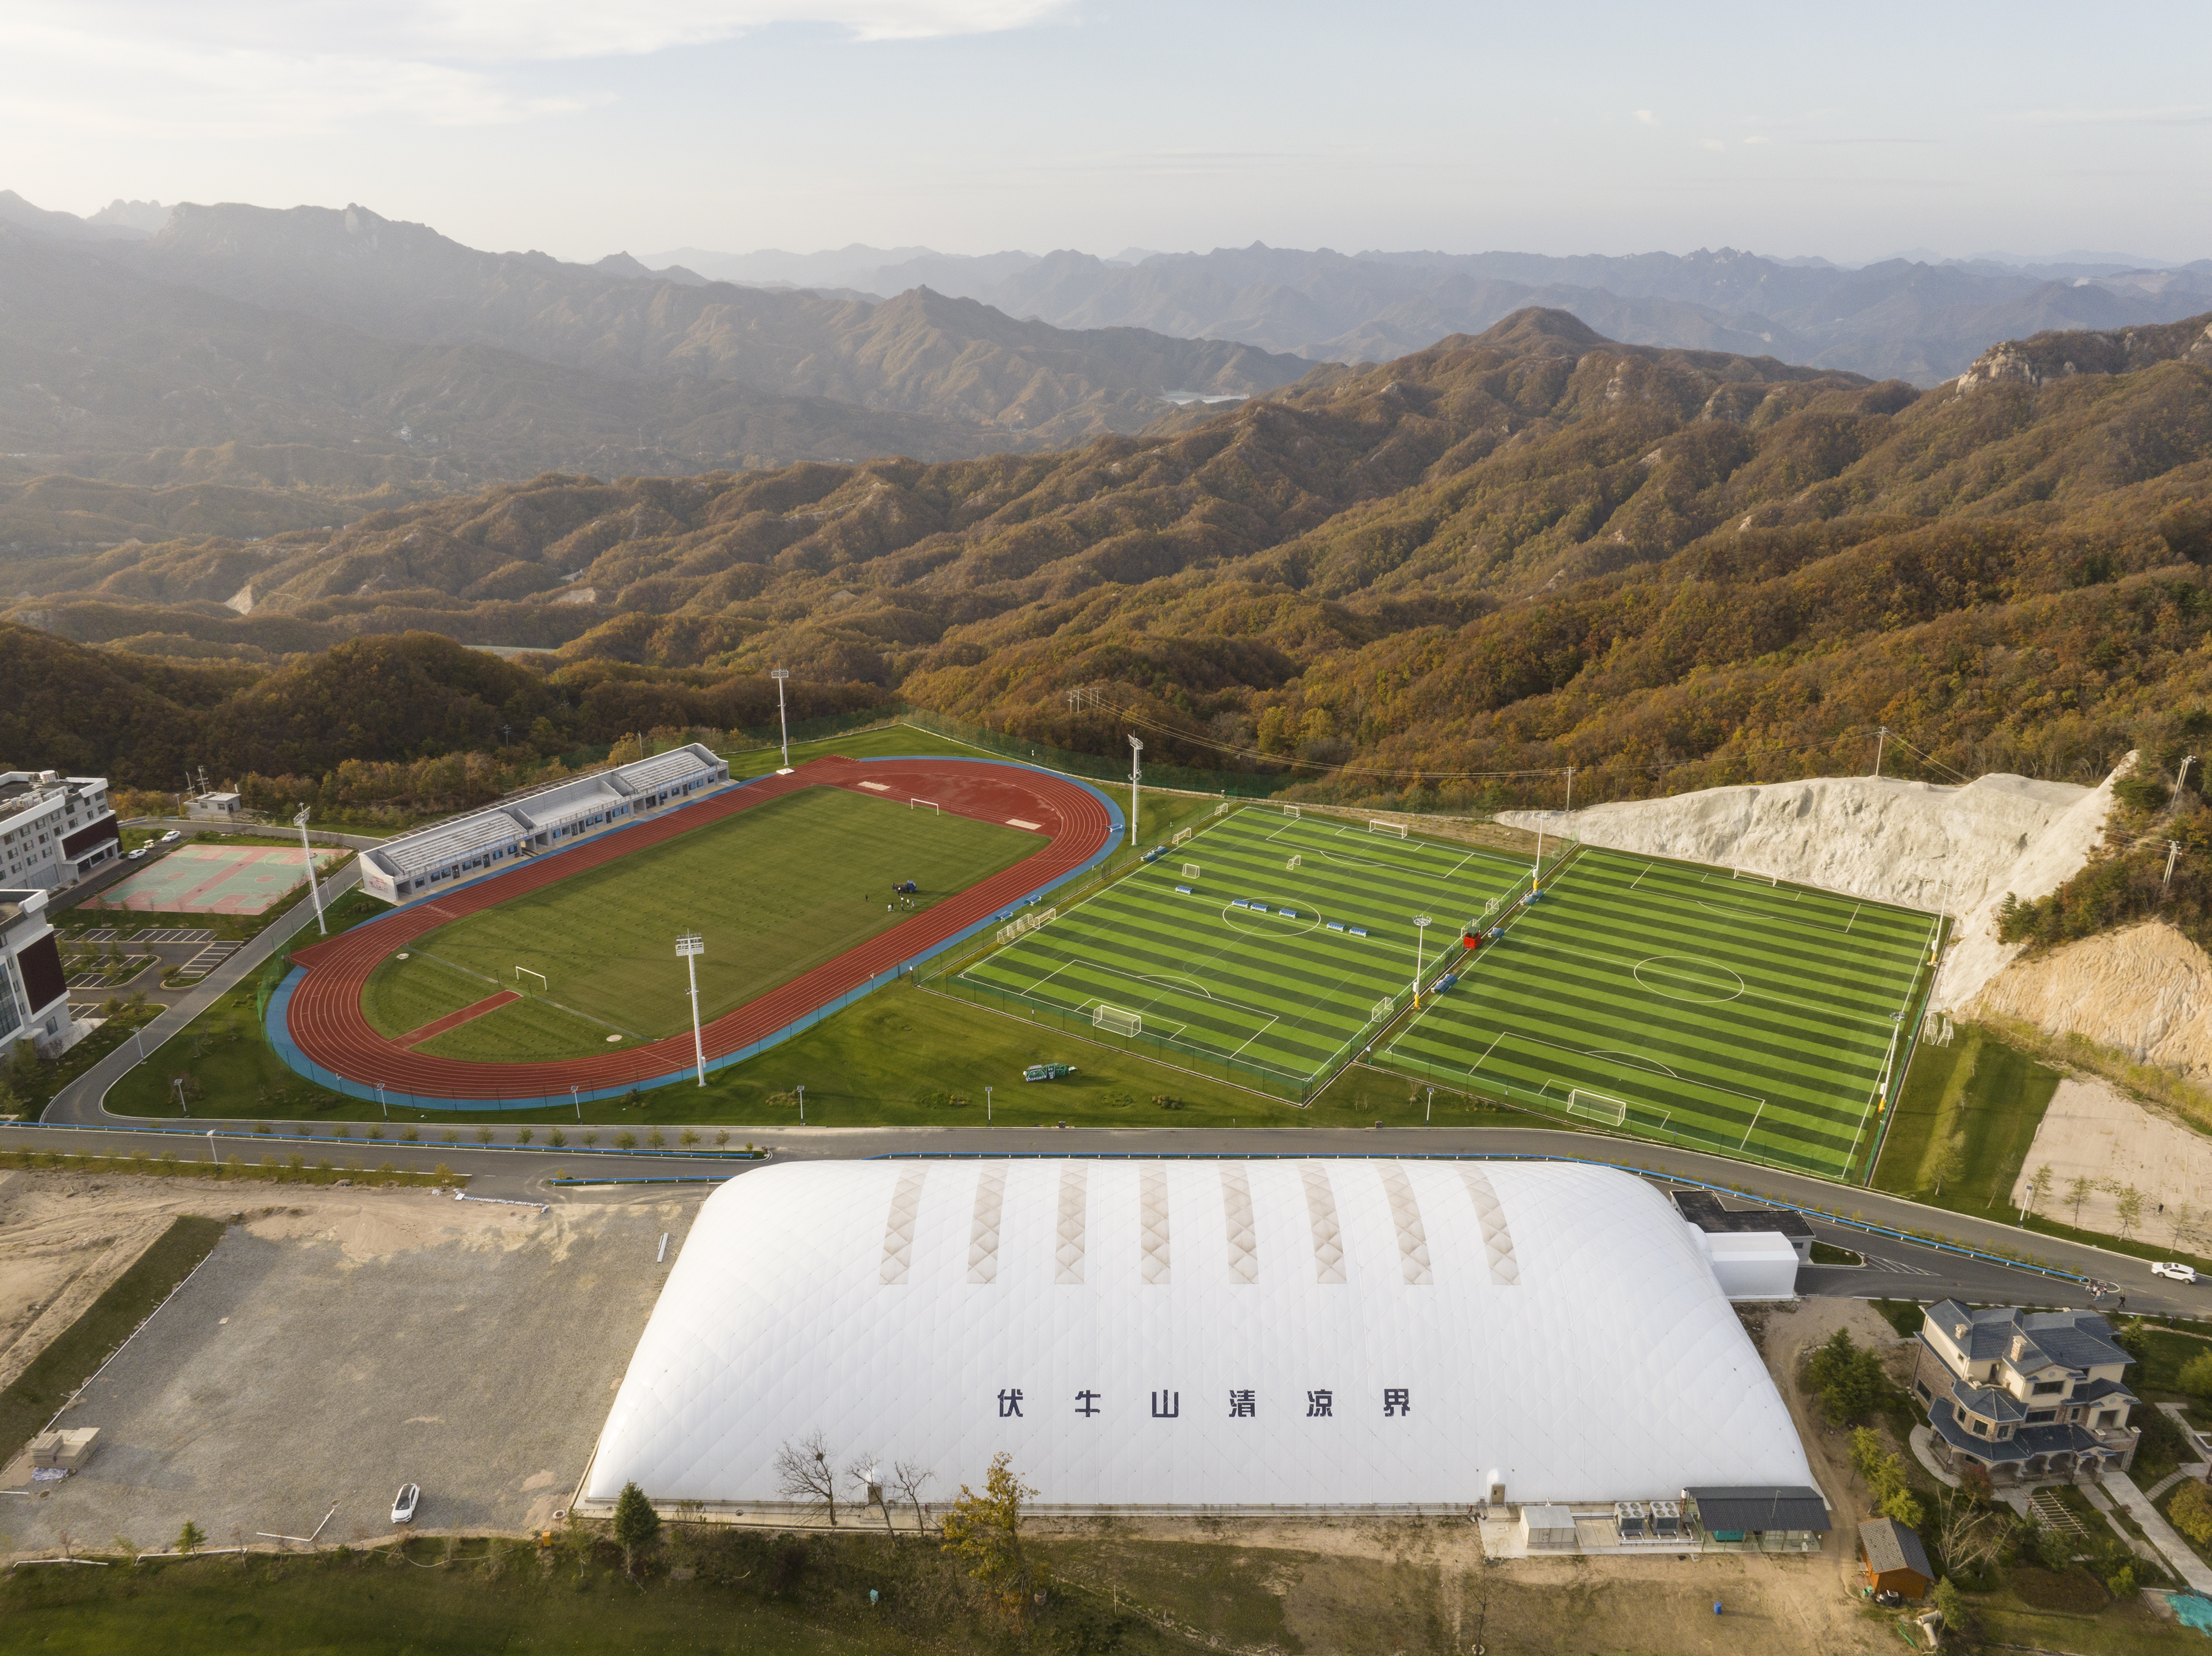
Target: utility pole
(1570, 790)
(1881, 735)
(1420, 957)
(2178, 775)
(308, 856)
(779, 674)
(690, 946)
(2173, 851)
(1136, 769)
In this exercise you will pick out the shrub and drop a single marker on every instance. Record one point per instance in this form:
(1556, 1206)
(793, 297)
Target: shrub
(191, 1538)
(722, 1138)
(2191, 1511)
(484, 1135)
(557, 1138)
(687, 1137)
(522, 1135)
(655, 1139)
(2196, 1375)
(412, 1134)
(625, 1141)
(450, 1137)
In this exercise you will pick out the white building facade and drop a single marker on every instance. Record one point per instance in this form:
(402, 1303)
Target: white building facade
(489, 841)
(34, 989)
(1201, 1335)
(54, 829)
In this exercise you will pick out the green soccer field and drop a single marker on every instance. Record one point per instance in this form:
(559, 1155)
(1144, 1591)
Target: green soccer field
(1260, 972)
(1682, 1003)
(773, 891)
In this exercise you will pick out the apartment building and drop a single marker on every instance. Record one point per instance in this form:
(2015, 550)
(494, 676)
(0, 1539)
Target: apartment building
(54, 829)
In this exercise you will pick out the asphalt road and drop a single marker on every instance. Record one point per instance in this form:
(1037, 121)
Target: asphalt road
(1895, 1269)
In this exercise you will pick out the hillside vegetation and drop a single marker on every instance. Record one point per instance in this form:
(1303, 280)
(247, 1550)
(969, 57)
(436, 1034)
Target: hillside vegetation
(1442, 581)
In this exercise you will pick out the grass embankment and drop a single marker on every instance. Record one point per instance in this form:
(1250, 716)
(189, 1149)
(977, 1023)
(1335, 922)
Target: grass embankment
(27, 1091)
(79, 1349)
(1964, 1121)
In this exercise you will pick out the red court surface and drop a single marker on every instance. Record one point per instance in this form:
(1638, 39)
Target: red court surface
(324, 1016)
(200, 879)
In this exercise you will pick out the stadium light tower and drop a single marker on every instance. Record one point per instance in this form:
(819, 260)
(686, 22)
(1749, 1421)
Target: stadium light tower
(690, 946)
(783, 724)
(1136, 767)
(308, 856)
(1420, 937)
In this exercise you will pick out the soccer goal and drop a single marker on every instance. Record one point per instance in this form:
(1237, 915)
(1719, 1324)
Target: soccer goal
(1190, 871)
(1049, 914)
(1376, 825)
(1182, 837)
(1597, 1107)
(522, 972)
(1292, 866)
(917, 804)
(1291, 811)
(1755, 878)
(1380, 1013)
(1116, 1022)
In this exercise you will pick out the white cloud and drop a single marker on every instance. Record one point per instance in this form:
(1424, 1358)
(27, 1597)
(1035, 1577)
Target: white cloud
(1756, 139)
(1647, 118)
(1710, 143)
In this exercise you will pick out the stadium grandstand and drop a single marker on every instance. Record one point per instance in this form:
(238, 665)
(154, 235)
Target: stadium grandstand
(1198, 1335)
(462, 848)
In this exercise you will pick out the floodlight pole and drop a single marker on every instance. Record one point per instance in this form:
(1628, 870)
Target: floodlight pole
(308, 856)
(783, 724)
(690, 947)
(1136, 765)
(1896, 1028)
(802, 1104)
(576, 1100)
(1420, 939)
(987, 1107)
(380, 1104)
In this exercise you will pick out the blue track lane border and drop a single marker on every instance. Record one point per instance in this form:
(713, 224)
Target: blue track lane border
(297, 1061)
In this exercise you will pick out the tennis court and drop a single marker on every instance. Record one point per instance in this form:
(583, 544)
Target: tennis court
(1268, 947)
(210, 879)
(1686, 1004)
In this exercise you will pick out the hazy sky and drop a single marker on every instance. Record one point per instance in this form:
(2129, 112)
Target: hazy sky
(583, 126)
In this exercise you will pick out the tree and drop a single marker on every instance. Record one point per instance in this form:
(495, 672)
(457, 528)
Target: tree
(2180, 1228)
(1951, 1163)
(912, 1477)
(2191, 1511)
(2078, 1191)
(191, 1538)
(1968, 1534)
(803, 1472)
(866, 1470)
(637, 1526)
(2130, 1201)
(984, 1532)
(2195, 1376)
(1850, 1381)
(1951, 1604)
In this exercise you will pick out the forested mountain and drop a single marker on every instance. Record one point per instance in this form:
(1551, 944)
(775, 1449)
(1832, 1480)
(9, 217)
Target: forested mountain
(1442, 580)
(1910, 318)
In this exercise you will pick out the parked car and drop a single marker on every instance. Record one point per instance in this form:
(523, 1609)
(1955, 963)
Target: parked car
(2174, 1269)
(174, 833)
(137, 854)
(403, 1503)
(1048, 1072)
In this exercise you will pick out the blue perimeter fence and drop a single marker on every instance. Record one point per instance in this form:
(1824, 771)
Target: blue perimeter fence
(301, 1064)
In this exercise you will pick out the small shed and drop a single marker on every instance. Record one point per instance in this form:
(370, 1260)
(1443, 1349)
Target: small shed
(1549, 1529)
(1895, 1560)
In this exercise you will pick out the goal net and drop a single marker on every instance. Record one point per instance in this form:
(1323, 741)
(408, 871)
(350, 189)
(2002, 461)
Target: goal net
(1292, 864)
(1190, 871)
(1756, 878)
(1117, 1022)
(1395, 830)
(1382, 1010)
(1291, 811)
(930, 804)
(1182, 837)
(1597, 1107)
(522, 972)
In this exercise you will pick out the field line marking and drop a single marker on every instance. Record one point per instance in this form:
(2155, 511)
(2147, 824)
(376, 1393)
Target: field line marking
(1638, 880)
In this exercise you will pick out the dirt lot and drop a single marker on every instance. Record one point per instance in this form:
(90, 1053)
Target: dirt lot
(2093, 1130)
(330, 1348)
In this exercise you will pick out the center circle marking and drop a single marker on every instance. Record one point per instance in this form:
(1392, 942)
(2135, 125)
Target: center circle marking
(1686, 978)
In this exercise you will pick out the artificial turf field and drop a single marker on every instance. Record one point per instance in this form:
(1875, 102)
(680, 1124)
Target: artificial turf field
(774, 891)
(1275, 992)
(1723, 1013)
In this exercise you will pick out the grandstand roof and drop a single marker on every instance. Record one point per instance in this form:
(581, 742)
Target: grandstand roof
(1317, 1333)
(675, 765)
(435, 847)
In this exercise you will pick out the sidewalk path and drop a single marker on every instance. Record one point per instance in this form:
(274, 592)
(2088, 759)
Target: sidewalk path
(2178, 1553)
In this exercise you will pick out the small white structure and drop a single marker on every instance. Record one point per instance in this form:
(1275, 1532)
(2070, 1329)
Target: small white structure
(214, 807)
(1198, 1335)
(1548, 1529)
(488, 841)
(1751, 1265)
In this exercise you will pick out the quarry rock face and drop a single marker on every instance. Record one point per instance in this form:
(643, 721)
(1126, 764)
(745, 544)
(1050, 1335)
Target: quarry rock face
(1960, 850)
(2145, 989)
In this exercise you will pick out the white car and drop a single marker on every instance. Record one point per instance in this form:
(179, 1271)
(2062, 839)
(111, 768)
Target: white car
(2173, 1269)
(137, 854)
(403, 1503)
(174, 833)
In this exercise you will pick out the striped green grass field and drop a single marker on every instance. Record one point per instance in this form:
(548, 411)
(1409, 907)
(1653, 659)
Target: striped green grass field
(774, 891)
(1684, 1004)
(1259, 968)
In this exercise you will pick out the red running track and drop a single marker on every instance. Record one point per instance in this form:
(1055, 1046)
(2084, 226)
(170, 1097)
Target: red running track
(325, 1019)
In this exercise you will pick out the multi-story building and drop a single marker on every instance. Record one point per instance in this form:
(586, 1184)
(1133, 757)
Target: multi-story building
(2025, 1394)
(34, 992)
(54, 829)
(491, 840)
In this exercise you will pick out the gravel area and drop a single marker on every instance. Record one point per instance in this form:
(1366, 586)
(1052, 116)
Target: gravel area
(292, 1372)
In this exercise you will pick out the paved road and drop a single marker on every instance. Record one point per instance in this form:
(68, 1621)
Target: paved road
(191, 826)
(79, 1103)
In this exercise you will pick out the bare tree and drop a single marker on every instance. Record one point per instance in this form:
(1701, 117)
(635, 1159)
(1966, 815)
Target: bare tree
(803, 1472)
(911, 1478)
(1970, 1536)
(866, 1470)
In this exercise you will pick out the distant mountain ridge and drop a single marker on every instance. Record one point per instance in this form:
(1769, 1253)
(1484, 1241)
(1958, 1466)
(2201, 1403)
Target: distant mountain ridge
(1913, 319)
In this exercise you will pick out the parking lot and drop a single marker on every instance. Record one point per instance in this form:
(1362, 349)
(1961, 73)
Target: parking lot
(312, 1364)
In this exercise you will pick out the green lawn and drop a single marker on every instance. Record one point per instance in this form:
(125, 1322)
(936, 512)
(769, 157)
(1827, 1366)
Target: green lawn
(1977, 1097)
(1267, 964)
(1680, 1003)
(774, 891)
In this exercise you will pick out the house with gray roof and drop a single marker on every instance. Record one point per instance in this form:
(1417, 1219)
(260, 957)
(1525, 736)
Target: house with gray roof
(2025, 1395)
